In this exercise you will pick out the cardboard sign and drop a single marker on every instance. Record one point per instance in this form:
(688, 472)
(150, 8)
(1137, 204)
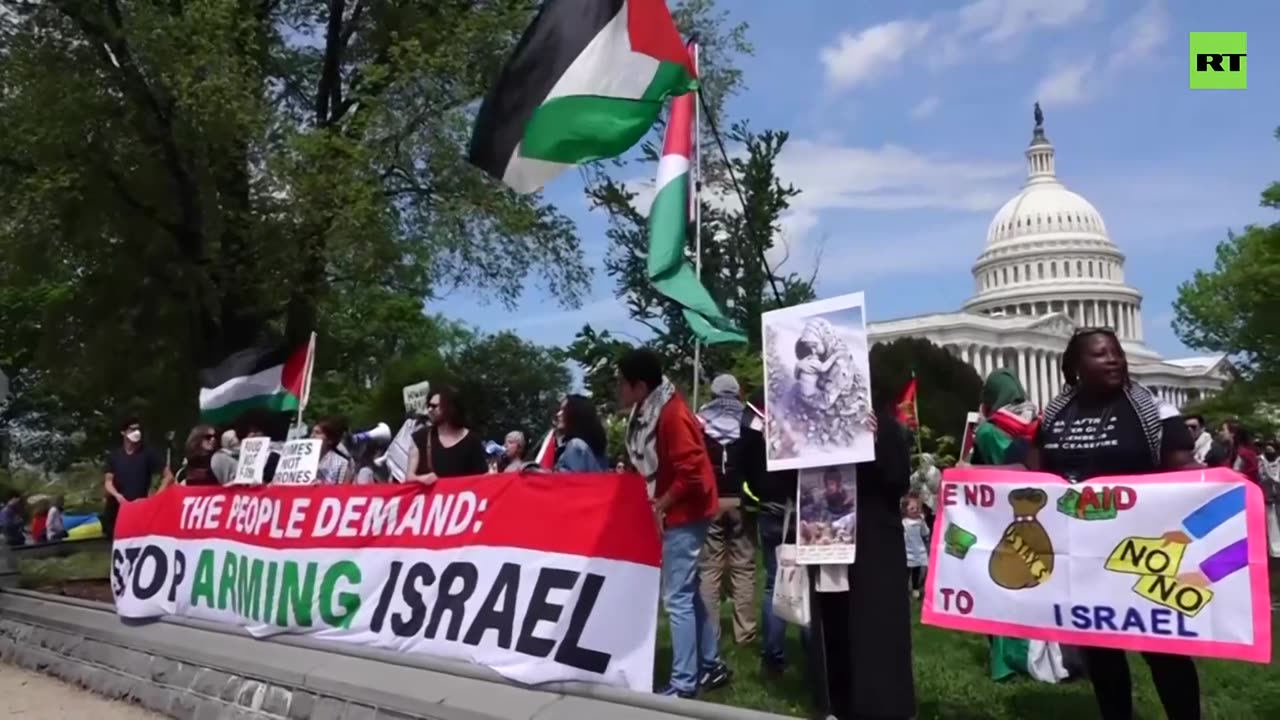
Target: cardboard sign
(416, 397)
(298, 463)
(254, 453)
(1172, 563)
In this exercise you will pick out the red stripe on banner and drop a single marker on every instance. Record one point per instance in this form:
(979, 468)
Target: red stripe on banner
(294, 375)
(601, 515)
(653, 32)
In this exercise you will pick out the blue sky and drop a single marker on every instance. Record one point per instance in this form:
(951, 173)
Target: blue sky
(908, 122)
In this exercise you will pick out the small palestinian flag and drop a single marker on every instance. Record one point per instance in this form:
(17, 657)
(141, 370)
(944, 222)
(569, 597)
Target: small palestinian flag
(273, 379)
(546, 456)
(587, 81)
(908, 411)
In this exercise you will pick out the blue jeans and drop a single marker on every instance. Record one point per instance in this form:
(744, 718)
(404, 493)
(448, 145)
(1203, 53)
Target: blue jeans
(694, 635)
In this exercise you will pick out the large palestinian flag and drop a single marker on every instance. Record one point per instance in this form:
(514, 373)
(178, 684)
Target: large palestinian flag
(586, 82)
(274, 379)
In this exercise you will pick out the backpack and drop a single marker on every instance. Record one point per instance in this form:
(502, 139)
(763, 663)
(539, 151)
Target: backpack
(725, 463)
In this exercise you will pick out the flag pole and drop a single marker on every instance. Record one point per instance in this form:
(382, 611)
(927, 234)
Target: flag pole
(915, 409)
(695, 198)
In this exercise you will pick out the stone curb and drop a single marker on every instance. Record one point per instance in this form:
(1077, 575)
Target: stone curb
(203, 671)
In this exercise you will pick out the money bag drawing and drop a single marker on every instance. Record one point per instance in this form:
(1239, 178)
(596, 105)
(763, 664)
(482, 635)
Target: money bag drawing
(1024, 556)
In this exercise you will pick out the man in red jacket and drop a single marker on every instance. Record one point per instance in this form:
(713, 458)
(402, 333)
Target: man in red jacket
(664, 441)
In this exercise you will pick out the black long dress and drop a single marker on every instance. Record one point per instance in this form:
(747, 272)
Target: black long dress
(861, 648)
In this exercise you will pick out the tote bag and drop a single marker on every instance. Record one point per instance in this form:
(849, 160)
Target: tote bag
(791, 581)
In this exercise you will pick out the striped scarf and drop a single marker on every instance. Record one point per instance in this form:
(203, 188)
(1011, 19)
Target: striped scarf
(642, 429)
(1151, 411)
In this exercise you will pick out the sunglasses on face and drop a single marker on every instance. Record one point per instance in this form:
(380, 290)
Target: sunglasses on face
(433, 406)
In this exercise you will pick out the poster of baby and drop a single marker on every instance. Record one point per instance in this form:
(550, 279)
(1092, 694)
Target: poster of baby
(817, 384)
(1172, 563)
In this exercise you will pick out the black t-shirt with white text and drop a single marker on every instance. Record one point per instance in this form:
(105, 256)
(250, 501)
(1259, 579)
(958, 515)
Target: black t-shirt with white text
(1086, 441)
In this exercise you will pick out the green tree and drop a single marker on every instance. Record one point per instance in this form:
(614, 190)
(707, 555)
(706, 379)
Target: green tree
(947, 388)
(179, 179)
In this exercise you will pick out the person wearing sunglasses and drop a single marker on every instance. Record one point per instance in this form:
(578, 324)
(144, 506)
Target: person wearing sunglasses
(198, 452)
(447, 448)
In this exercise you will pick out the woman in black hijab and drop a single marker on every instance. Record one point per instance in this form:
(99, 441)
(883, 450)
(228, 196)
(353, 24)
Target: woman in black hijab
(861, 642)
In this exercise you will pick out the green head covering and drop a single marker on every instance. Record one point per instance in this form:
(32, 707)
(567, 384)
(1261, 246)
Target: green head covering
(1002, 389)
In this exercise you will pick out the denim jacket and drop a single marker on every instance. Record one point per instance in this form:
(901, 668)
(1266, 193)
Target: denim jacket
(578, 457)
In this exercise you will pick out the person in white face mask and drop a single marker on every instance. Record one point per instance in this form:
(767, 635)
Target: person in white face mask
(129, 471)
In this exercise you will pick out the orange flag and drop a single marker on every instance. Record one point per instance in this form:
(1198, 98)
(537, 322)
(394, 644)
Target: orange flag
(908, 413)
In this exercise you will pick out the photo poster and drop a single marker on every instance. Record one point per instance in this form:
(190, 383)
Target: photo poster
(827, 519)
(416, 397)
(1172, 563)
(252, 464)
(971, 421)
(817, 384)
(299, 461)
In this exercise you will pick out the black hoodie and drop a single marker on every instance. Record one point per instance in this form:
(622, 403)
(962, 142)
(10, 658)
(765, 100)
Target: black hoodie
(772, 490)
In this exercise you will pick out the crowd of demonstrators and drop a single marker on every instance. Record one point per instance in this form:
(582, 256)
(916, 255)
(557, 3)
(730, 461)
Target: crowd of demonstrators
(732, 536)
(583, 442)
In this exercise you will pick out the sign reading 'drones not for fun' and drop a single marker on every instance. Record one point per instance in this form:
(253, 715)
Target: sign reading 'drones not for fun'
(464, 569)
(1171, 563)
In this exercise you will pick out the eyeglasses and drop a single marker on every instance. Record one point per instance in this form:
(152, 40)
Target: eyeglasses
(433, 406)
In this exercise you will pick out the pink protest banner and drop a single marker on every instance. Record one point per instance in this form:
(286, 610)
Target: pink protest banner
(1173, 563)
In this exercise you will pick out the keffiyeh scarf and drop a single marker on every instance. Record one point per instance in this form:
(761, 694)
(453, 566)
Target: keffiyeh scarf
(642, 429)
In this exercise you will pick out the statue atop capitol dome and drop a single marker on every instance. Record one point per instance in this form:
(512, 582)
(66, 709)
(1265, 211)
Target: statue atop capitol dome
(1039, 115)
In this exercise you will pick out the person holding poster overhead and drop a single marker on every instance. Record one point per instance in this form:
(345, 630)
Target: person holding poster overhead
(861, 648)
(1102, 423)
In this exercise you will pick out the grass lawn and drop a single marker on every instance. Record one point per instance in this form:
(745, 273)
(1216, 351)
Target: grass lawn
(952, 681)
(950, 670)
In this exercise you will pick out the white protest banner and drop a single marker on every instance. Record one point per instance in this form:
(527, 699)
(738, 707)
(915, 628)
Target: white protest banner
(254, 453)
(1173, 563)
(464, 569)
(299, 461)
(416, 397)
(397, 455)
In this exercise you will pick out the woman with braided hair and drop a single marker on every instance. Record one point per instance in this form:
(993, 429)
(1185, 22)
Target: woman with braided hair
(1103, 423)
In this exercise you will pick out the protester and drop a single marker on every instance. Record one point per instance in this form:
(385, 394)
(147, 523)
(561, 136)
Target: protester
(198, 452)
(1104, 424)
(513, 448)
(732, 536)
(1269, 472)
(776, 495)
(861, 639)
(1004, 437)
(55, 528)
(1244, 454)
(447, 448)
(226, 458)
(583, 441)
(1201, 440)
(915, 533)
(128, 473)
(13, 519)
(335, 467)
(924, 484)
(664, 442)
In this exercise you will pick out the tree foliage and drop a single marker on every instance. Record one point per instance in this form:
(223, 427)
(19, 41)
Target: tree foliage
(947, 388)
(180, 179)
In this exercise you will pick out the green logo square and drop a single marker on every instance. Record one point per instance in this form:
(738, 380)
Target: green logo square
(1218, 61)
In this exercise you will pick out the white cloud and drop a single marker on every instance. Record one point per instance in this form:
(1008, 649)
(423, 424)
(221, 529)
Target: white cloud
(993, 21)
(1068, 85)
(1142, 35)
(857, 57)
(926, 107)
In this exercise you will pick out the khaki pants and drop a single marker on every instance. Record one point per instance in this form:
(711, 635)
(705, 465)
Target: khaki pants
(731, 546)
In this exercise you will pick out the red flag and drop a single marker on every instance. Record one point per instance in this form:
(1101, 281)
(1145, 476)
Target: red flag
(908, 413)
(546, 456)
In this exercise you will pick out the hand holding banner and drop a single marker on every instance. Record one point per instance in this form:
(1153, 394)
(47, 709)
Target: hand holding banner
(1171, 563)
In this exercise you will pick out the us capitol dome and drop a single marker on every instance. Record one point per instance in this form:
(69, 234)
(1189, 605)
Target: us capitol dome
(1048, 267)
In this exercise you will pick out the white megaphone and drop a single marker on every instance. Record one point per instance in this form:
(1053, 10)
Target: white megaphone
(380, 433)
